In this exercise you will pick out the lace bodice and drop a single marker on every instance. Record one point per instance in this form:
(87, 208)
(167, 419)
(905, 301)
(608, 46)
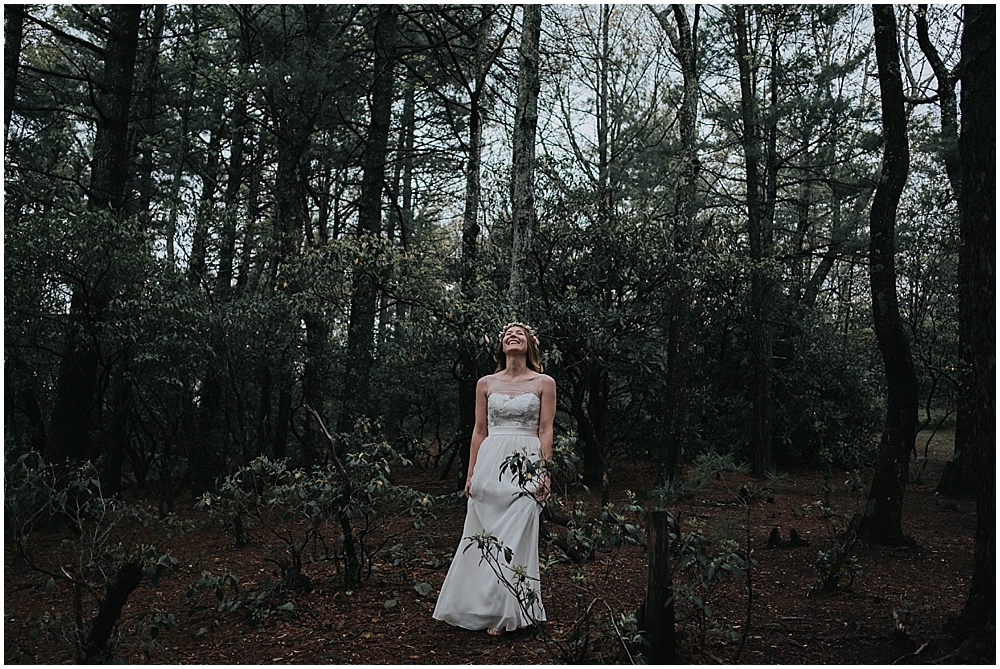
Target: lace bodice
(513, 404)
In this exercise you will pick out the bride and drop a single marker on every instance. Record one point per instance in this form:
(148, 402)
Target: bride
(515, 409)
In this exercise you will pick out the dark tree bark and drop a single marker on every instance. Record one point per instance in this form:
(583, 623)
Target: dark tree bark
(977, 297)
(208, 173)
(589, 407)
(759, 229)
(76, 387)
(684, 40)
(883, 515)
(317, 367)
(129, 577)
(234, 182)
(522, 187)
(282, 414)
(13, 33)
(364, 299)
(69, 425)
(948, 102)
(109, 169)
(658, 607)
(146, 120)
(468, 369)
(111, 477)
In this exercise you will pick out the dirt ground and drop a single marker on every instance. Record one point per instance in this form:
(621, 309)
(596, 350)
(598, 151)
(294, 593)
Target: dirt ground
(896, 610)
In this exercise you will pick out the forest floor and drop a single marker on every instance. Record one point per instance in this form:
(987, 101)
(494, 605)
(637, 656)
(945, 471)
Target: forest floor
(897, 609)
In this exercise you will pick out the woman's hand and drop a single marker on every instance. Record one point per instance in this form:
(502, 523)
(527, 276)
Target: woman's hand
(468, 486)
(543, 489)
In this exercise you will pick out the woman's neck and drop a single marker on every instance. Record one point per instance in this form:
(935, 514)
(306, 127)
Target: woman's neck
(516, 366)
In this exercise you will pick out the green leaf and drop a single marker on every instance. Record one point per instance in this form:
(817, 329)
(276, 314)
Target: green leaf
(423, 588)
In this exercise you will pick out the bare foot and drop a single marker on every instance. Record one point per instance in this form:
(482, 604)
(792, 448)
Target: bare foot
(493, 632)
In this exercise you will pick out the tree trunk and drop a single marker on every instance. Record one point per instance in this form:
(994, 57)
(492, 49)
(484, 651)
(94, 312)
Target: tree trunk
(109, 169)
(977, 297)
(317, 372)
(468, 371)
(145, 115)
(234, 181)
(209, 175)
(948, 102)
(758, 227)
(111, 476)
(13, 33)
(658, 607)
(589, 407)
(685, 44)
(883, 513)
(129, 577)
(76, 387)
(522, 188)
(364, 298)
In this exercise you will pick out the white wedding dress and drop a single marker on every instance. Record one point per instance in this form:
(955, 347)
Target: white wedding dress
(472, 596)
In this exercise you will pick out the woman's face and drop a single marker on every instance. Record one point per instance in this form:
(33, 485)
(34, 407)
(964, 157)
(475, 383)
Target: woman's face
(515, 339)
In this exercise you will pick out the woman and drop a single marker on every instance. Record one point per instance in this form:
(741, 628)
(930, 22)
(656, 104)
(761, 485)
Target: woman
(515, 408)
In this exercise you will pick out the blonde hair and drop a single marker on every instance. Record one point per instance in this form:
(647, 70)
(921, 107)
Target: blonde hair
(533, 360)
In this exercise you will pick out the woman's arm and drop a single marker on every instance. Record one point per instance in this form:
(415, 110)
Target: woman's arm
(545, 422)
(478, 433)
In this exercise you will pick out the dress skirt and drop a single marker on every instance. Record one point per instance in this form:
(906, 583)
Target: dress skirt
(472, 596)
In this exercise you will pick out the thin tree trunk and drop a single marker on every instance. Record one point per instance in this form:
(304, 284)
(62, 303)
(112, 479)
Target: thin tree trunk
(467, 369)
(317, 369)
(948, 102)
(685, 44)
(977, 297)
(145, 114)
(522, 188)
(180, 156)
(13, 34)
(959, 474)
(658, 607)
(589, 409)
(128, 579)
(758, 226)
(197, 266)
(364, 298)
(883, 513)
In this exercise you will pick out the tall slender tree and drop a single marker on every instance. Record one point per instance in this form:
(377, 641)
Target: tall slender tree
(759, 228)
(883, 513)
(522, 187)
(684, 40)
(469, 370)
(364, 299)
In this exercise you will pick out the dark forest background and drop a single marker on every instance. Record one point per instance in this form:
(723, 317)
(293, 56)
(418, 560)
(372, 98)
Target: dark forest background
(760, 231)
